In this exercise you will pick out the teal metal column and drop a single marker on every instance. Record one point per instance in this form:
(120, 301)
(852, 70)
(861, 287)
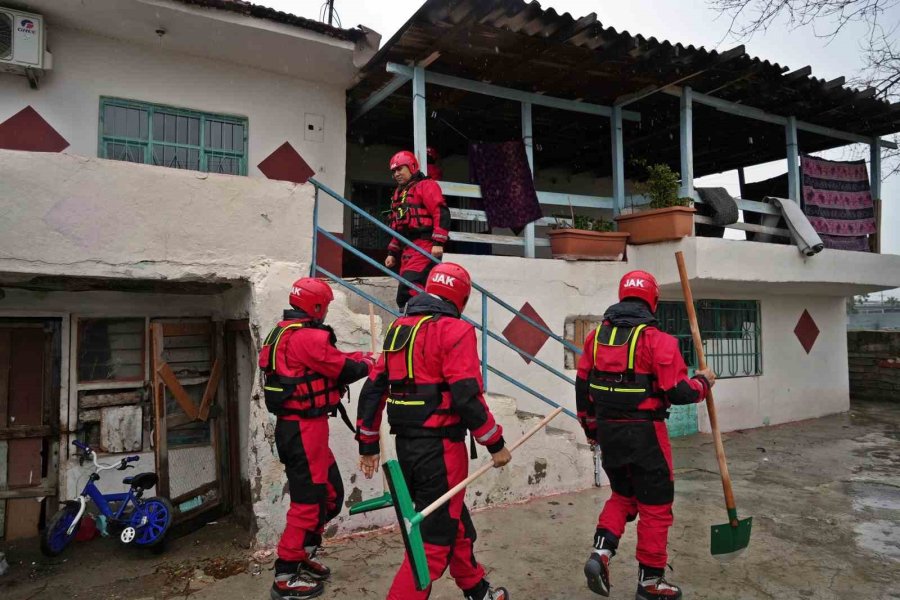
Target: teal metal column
(484, 341)
(528, 138)
(618, 158)
(793, 159)
(687, 143)
(420, 140)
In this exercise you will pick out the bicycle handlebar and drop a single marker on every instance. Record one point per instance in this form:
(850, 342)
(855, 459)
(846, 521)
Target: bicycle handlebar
(121, 464)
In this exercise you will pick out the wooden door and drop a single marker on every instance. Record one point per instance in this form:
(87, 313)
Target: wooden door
(28, 426)
(189, 438)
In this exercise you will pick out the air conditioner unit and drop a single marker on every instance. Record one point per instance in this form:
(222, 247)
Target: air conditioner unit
(22, 43)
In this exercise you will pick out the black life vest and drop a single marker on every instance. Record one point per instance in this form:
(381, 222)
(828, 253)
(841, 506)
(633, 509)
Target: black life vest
(410, 403)
(409, 214)
(614, 383)
(307, 394)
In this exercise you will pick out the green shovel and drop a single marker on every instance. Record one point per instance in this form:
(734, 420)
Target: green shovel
(731, 538)
(411, 521)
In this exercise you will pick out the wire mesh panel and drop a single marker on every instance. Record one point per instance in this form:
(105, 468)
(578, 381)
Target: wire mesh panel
(730, 331)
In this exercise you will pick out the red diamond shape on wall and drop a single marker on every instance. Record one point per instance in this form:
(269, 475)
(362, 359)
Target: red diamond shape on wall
(806, 331)
(286, 164)
(27, 130)
(524, 335)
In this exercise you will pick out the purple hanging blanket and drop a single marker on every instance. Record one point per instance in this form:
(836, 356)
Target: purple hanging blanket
(838, 202)
(507, 184)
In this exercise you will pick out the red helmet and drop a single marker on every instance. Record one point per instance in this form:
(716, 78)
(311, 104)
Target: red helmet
(432, 154)
(405, 157)
(451, 282)
(312, 296)
(640, 284)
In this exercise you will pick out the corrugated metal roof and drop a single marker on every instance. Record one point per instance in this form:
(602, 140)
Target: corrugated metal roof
(522, 45)
(263, 12)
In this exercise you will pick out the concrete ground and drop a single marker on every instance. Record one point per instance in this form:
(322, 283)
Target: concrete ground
(824, 496)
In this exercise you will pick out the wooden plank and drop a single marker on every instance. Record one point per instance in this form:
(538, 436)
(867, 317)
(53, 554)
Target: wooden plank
(238, 324)
(469, 214)
(5, 351)
(187, 341)
(160, 429)
(113, 399)
(189, 328)
(187, 355)
(176, 421)
(232, 415)
(46, 488)
(203, 489)
(22, 517)
(89, 416)
(486, 238)
(746, 227)
(29, 431)
(178, 392)
(210, 393)
(110, 385)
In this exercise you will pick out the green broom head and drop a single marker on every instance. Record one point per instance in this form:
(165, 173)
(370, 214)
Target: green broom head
(383, 501)
(410, 522)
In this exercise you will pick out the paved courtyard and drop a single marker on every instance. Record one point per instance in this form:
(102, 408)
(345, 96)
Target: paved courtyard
(824, 496)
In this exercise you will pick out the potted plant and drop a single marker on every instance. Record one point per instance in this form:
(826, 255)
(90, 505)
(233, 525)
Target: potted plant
(585, 238)
(668, 218)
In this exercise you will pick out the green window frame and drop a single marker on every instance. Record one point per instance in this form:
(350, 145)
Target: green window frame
(731, 331)
(156, 134)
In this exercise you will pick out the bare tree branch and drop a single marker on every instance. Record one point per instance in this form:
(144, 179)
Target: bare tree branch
(880, 49)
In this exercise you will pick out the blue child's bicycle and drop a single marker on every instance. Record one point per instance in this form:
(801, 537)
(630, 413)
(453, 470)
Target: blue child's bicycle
(135, 520)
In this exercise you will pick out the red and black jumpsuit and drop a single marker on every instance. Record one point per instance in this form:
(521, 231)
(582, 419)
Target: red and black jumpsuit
(429, 377)
(305, 377)
(628, 376)
(418, 212)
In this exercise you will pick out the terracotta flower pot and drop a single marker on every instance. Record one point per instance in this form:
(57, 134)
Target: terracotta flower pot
(659, 225)
(580, 244)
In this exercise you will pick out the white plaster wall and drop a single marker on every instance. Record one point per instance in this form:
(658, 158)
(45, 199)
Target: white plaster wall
(114, 219)
(794, 385)
(87, 66)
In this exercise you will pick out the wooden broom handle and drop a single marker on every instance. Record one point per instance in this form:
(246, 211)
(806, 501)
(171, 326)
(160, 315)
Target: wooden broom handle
(488, 466)
(381, 429)
(710, 403)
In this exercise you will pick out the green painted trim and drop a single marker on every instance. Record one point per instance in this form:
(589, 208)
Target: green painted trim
(148, 145)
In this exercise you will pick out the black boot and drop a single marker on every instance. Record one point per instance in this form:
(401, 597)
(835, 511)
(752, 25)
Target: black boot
(652, 585)
(596, 569)
(290, 585)
(312, 567)
(484, 591)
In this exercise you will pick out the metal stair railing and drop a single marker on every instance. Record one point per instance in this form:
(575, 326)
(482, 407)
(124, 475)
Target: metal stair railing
(487, 296)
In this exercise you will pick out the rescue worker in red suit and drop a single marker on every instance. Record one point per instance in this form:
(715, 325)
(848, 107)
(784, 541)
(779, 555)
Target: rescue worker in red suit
(429, 377)
(419, 213)
(628, 376)
(306, 375)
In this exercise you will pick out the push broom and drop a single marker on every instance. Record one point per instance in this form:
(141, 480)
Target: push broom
(385, 500)
(731, 538)
(410, 521)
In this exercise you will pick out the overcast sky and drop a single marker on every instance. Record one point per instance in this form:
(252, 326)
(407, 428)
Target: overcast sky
(685, 21)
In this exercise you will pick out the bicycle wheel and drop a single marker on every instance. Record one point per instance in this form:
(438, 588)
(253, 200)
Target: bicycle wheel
(159, 514)
(56, 537)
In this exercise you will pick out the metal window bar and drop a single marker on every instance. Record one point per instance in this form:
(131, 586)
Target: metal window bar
(149, 143)
(731, 332)
(486, 296)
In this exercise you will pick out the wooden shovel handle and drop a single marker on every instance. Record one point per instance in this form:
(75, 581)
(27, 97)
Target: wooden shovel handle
(382, 430)
(710, 403)
(488, 466)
